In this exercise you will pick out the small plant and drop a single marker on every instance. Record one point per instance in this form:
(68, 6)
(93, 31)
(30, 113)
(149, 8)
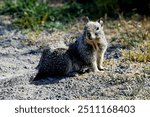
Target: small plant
(136, 56)
(142, 55)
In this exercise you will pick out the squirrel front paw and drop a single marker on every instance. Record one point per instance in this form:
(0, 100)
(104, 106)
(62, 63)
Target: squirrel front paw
(96, 71)
(102, 68)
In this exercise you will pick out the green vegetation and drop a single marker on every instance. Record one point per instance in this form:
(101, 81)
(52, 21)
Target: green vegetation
(137, 55)
(34, 14)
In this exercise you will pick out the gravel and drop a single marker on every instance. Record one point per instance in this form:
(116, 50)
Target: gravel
(121, 80)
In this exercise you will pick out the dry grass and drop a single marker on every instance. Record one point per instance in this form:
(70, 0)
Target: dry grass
(137, 55)
(133, 35)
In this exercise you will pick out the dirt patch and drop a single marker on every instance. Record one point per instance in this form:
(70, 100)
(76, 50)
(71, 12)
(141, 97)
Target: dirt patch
(121, 80)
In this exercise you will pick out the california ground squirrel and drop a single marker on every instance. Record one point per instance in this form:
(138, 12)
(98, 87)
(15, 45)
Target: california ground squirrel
(86, 52)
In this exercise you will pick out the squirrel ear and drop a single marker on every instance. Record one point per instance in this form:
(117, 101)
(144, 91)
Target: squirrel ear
(86, 19)
(101, 21)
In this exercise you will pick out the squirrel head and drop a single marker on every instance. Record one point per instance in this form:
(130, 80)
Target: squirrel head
(93, 31)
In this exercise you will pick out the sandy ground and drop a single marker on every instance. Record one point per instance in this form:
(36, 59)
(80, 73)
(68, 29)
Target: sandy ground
(121, 80)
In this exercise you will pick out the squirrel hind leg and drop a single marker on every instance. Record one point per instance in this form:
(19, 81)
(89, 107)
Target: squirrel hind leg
(84, 70)
(77, 73)
(72, 74)
(39, 76)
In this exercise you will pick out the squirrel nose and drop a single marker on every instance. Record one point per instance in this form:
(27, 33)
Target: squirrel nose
(93, 36)
(96, 34)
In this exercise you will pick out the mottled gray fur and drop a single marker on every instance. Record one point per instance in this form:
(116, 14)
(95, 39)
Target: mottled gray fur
(86, 52)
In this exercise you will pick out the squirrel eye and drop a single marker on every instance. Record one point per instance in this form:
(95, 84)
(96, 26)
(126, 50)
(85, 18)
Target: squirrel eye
(88, 34)
(97, 28)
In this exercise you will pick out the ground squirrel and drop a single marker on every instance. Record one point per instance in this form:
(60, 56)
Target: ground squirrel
(87, 52)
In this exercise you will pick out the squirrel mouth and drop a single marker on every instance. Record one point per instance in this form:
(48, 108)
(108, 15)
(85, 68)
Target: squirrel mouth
(93, 42)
